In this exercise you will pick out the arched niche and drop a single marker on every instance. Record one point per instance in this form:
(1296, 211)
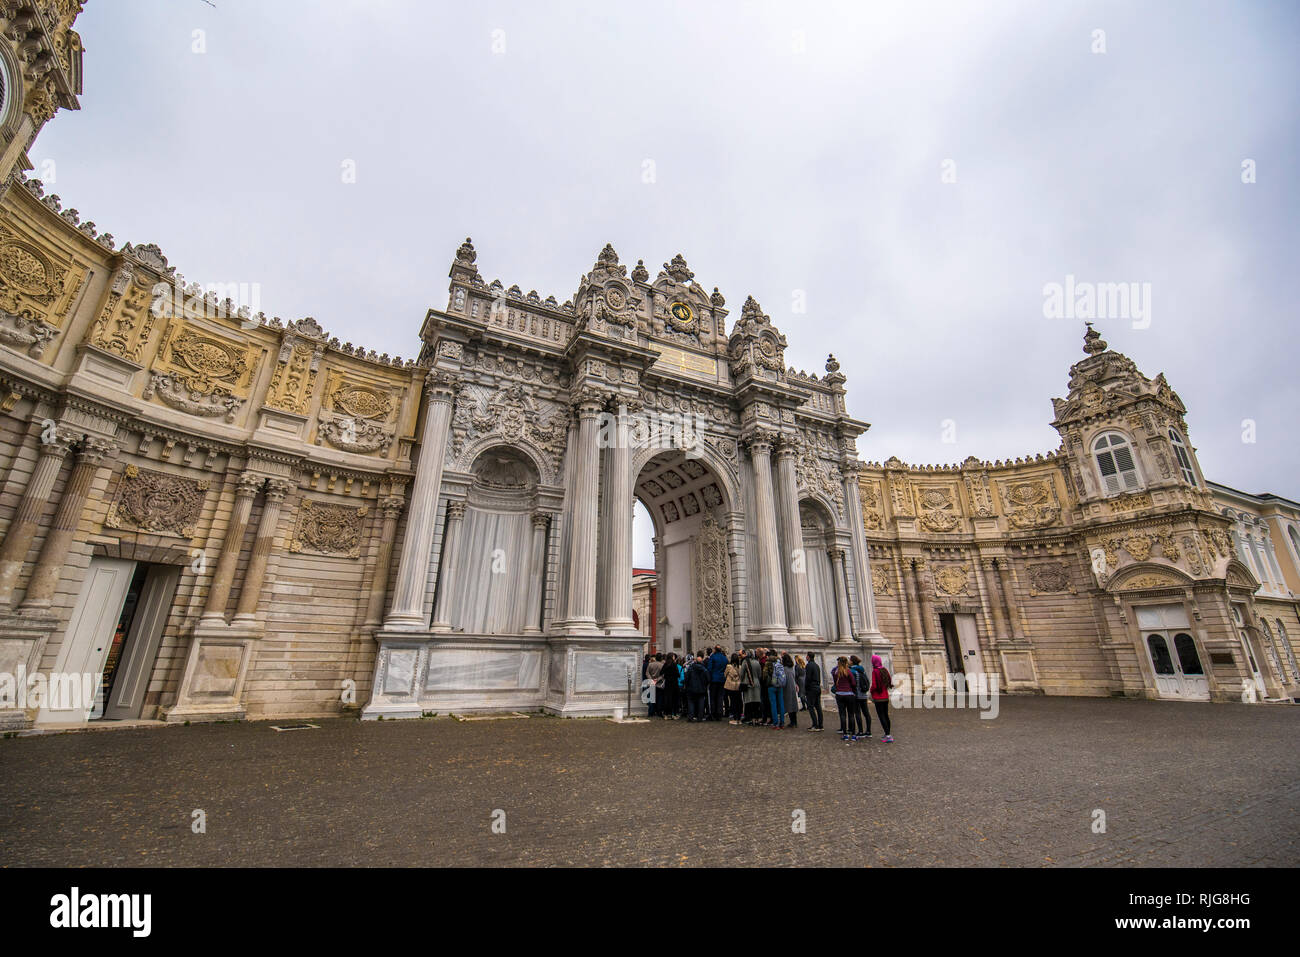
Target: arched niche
(818, 527)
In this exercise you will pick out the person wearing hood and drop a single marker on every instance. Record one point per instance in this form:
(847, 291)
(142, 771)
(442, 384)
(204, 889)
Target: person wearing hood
(881, 681)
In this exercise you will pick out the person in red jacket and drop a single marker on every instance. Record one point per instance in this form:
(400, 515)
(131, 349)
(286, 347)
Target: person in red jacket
(881, 680)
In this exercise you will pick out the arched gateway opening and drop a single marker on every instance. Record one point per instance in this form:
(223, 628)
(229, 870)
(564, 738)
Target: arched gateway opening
(689, 507)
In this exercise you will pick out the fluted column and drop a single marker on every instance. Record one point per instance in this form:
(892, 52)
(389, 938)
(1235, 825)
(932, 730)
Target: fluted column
(391, 506)
(869, 623)
(54, 550)
(536, 574)
(841, 594)
(223, 577)
(989, 573)
(26, 519)
(1008, 593)
(450, 565)
(251, 590)
(585, 486)
(407, 610)
(922, 619)
(798, 595)
(617, 560)
(769, 617)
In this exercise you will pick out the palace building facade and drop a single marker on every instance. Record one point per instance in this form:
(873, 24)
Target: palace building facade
(221, 515)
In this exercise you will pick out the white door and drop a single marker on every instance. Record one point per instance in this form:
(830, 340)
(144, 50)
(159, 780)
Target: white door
(969, 643)
(1171, 650)
(80, 661)
(1252, 660)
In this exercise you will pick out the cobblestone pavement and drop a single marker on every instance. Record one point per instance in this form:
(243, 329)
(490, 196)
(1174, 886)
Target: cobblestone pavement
(1180, 784)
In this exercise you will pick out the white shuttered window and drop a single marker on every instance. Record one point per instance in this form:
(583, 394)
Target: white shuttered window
(1115, 463)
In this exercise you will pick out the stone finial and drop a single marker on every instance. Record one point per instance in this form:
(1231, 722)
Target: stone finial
(716, 299)
(678, 269)
(752, 310)
(466, 254)
(639, 272)
(608, 258)
(1093, 343)
(832, 364)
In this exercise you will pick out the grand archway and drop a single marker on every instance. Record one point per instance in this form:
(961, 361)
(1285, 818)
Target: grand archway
(689, 507)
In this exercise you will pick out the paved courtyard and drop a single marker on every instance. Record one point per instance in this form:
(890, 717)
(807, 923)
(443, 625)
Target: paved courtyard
(1180, 784)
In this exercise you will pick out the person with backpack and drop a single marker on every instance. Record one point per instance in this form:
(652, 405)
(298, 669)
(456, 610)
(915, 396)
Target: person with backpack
(774, 672)
(861, 691)
(881, 682)
(812, 689)
(845, 685)
(751, 691)
(697, 688)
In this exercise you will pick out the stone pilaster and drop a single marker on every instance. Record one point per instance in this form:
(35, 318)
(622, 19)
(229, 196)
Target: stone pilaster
(841, 594)
(536, 574)
(223, 577)
(26, 519)
(988, 571)
(794, 564)
(407, 610)
(584, 486)
(450, 566)
(617, 533)
(391, 506)
(869, 624)
(1008, 595)
(91, 454)
(251, 590)
(769, 609)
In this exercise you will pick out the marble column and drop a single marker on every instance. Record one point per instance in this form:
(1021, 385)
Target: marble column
(617, 533)
(869, 623)
(1008, 593)
(798, 594)
(407, 610)
(841, 594)
(54, 550)
(223, 577)
(769, 609)
(391, 506)
(250, 591)
(585, 488)
(447, 578)
(536, 574)
(26, 518)
(994, 590)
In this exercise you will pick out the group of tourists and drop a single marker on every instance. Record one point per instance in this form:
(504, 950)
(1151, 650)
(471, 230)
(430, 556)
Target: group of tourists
(762, 687)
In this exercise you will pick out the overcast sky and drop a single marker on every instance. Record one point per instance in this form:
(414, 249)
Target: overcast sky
(795, 151)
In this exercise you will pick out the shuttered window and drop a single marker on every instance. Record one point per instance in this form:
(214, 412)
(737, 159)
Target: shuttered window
(1184, 460)
(1115, 463)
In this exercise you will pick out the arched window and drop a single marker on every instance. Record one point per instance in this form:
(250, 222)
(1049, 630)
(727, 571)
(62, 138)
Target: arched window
(1115, 463)
(1184, 460)
(1164, 664)
(1292, 534)
(1187, 656)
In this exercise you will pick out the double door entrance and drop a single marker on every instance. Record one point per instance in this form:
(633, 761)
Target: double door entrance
(1172, 652)
(107, 654)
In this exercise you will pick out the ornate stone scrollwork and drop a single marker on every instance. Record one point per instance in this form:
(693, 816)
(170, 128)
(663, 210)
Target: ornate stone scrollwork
(1049, 577)
(157, 502)
(952, 579)
(1031, 504)
(713, 583)
(328, 529)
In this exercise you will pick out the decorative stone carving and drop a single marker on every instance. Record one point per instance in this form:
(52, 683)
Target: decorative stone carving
(952, 579)
(1049, 577)
(1030, 504)
(157, 502)
(871, 515)
(1131, 502)
(356, 416)
(29, 334)
(712, 584)
(199, 373)
(1150, 581)
(294, 380)
(756, 346)
(328, 529)
(126, 319)
(937, 506)
(513, 414)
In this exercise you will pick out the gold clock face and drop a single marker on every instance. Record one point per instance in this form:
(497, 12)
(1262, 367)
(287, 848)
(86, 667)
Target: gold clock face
(682, 316)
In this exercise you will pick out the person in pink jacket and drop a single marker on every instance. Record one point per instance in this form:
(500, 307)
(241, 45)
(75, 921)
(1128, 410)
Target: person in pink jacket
(881, 680)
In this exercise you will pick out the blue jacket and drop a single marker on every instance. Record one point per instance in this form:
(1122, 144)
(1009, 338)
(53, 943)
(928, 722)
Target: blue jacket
(717, 667)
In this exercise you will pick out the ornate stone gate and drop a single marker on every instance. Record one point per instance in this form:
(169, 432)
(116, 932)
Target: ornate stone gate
(542, 421)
